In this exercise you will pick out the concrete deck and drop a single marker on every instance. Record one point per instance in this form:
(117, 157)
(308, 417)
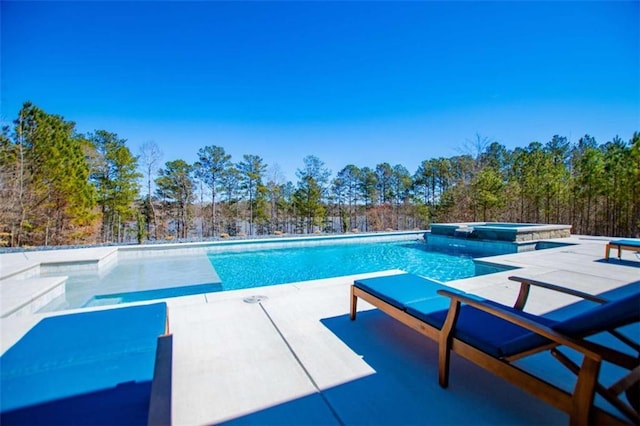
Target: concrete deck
(296, 358)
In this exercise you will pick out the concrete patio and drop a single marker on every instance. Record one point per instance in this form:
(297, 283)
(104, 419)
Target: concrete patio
(294, 357)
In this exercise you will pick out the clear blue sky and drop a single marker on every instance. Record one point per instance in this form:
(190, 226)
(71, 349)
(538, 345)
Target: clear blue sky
(348, 82)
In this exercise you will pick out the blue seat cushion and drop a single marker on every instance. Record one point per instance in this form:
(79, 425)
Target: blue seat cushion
(627, 242)
(401, 290)
(606, 316)
(79, 354)
(501, 338)
(490, 334)
(432, 310)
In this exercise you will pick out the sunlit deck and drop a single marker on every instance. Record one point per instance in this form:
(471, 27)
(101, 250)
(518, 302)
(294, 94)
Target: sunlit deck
(296, 358)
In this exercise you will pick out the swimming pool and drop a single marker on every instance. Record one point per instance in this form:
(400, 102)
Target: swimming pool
(239, 270)
(213, 269)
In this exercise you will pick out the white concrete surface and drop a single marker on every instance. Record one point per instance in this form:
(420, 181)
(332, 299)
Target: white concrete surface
(296, 358)
(26, 264)
(24, 297)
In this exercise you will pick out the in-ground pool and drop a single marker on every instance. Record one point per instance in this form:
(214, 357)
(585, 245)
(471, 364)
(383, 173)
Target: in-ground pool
(245, 266)
(248, 269)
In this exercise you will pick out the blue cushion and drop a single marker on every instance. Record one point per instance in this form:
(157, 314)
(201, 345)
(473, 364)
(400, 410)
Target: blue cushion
(482, 330)
(400, 290)
(430, 310)
(78, 354)
(493, 335)
(501, 338)
(606, 316)
(627, 242)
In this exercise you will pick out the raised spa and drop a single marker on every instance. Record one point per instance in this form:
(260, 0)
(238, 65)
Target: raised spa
(510, 237)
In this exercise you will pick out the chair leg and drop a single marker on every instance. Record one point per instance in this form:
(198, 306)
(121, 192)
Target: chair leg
(354, 304)
(444, 347)
(584, 392)
(444, 359)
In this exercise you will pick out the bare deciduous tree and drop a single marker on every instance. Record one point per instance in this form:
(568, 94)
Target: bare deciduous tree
(150, 156)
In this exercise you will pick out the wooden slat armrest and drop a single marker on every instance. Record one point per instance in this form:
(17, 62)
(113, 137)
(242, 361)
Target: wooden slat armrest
(587, 348)
(527, 282)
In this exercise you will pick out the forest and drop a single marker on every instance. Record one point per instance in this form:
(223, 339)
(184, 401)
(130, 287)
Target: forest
(61, 187)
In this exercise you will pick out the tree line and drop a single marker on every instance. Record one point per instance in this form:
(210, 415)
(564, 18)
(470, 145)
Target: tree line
(60, 187)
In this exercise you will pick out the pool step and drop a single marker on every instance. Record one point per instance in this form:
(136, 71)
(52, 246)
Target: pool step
(152, 294)
(26, 296)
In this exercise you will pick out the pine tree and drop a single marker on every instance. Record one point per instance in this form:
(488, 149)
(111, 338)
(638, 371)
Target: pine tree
(175, 186)
(55, 200)
(251, 171)
(212, 162)
(114, 174)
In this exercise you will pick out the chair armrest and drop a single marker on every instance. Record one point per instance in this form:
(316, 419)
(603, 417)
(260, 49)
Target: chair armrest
(589, 349)
(526, 283)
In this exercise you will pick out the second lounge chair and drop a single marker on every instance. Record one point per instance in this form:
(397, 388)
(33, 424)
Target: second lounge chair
(494, 336)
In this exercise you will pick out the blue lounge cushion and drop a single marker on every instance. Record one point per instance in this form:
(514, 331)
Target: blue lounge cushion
(430, 310)
(78, 354)
(626, 242)
(502, 338)
(484, 331)
(491, 334)
(606, 316)
(402, 289)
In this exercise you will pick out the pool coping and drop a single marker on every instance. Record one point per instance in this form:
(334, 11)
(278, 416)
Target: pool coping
(21, 297)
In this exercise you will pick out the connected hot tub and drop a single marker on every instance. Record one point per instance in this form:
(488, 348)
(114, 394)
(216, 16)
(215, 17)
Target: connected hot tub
(503, 237)
(500, 231)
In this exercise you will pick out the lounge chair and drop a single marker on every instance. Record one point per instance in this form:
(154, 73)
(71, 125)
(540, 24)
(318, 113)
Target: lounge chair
(495, 336)
(628, 244)
(98, 367)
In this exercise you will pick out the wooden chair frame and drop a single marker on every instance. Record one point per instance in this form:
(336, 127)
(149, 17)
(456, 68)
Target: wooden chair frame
(620, 247)
(578, 404)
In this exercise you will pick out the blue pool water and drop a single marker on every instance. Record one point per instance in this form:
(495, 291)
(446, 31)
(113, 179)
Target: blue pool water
(164, 276)
(132, 280)
(277, 266)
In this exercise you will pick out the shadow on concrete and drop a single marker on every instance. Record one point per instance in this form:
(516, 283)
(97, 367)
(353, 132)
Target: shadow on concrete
(404, 388)
(307, 410)
(622, 262)
(126, 404)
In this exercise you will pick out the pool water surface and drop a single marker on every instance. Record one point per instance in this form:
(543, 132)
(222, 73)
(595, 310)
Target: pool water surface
(248, 269)
(164, 276)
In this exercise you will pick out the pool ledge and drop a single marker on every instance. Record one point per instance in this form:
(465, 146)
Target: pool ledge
(28, 264)
(24, 297)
